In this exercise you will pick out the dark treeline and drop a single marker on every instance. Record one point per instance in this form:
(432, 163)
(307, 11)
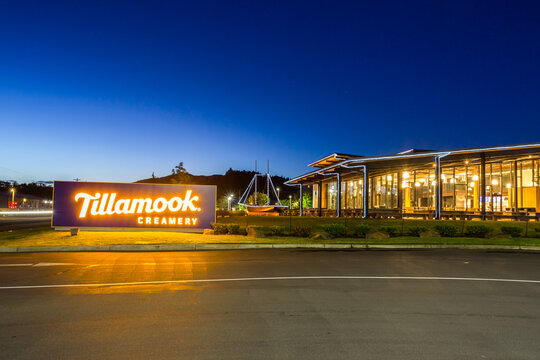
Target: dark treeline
(233, 182)
(35, 189)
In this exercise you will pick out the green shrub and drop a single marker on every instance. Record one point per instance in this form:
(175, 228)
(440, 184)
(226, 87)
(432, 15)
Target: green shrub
(513, 231)
(336, 230)
(417, 230)
(446, 230)
(235, 229)
(301, 231)
(220, 229)
(277, 231)
(362, 230)
(390, 230)
(478, 230)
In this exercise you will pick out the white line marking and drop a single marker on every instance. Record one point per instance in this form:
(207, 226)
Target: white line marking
(160, 282)
(15, 213)
(40, 264)
(16, 264)
(51, 264)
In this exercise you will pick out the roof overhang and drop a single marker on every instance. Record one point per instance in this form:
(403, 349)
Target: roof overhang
(400, 160)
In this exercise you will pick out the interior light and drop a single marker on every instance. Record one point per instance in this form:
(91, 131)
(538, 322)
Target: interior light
(494, 182)
(471, 184)
(406, 175)
(417, 184)
(508, 186)
(475, 177)
(433, 182)
(389, 177)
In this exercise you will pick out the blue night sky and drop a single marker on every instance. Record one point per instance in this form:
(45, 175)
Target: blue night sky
(111, 91)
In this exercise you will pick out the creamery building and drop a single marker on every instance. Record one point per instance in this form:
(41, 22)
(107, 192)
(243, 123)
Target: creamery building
(498, 182)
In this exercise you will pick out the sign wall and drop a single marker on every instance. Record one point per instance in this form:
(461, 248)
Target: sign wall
(144, 206)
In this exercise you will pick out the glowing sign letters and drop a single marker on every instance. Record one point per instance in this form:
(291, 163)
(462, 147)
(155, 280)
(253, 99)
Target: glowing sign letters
(111, 205)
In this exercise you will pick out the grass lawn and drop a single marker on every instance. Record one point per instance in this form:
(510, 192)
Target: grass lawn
(48, 237)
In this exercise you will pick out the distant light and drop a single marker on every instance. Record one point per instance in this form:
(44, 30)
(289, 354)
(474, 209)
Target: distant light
(495, 182)
(406, 175)
(475, 177)
(508, 186)
(417, 184)
(389, 177)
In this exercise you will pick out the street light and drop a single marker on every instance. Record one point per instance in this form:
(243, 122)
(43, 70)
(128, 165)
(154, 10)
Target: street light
(12, 194)
(290, 202)
(278, 192)
(229, 202)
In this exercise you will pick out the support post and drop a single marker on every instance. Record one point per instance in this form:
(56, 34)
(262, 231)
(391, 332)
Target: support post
(515, 177)
(365, 193)
(338, 197)
(319, 197)
(399, 193)
(300, 203)
(438, 188)
(483, 183)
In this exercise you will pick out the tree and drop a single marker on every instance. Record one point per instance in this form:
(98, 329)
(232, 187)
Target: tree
(179, 169)
(307, 200)
(262, 199)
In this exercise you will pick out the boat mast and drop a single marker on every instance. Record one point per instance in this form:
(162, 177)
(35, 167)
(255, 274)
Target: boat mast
(255, 193)
(268, 183)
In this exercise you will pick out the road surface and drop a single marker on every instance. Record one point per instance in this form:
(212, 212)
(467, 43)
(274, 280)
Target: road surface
(16, 222)
(270, 304)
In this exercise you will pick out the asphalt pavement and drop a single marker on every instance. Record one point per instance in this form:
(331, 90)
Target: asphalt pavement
(270, 304)
(17, 222)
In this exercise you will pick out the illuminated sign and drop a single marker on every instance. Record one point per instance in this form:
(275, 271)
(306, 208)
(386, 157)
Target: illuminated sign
(145, 206)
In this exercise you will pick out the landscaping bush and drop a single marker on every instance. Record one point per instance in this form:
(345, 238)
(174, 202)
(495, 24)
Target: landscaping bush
(336, 230)
(235, 229)
(446, 230)
(362, 230)
(479, 230)
(301, 231)
(417, 230)
(220, 229)
(277, 231)
(390, 230)
(513, 231)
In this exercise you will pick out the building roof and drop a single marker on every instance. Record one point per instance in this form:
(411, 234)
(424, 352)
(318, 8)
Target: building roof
(332, 159)
(410, 155)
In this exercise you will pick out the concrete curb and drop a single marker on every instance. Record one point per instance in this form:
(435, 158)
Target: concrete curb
(240, 246)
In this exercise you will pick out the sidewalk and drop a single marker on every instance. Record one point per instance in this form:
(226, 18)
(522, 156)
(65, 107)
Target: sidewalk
(245, 246)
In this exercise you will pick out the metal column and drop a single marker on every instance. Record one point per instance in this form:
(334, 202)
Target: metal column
(483, 183)
(301, 201)
(515, 181)
(319, 197)
(438, 188)
(338, 197)
(365, 193)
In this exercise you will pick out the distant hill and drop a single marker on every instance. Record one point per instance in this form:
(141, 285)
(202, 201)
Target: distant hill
(233, 182)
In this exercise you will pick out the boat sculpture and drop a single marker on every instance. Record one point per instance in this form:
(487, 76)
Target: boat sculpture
(264, 209)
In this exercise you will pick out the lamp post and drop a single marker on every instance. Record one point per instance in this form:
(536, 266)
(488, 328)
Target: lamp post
(278, 193)
(12, 194)
(229, 202)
